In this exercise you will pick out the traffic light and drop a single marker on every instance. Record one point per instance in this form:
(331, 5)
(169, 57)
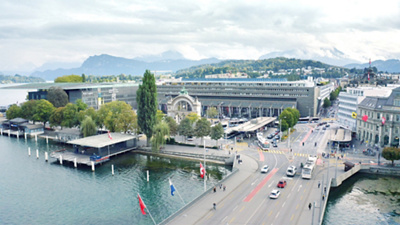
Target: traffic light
(303, 143)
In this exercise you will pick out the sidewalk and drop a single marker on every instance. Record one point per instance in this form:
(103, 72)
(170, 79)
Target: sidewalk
(202, 207)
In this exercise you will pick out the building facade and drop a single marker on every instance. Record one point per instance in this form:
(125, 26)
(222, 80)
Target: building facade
(378, 120)
(246, 97)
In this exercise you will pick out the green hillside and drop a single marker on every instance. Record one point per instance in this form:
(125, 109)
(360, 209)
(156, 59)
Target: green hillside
(256, 68)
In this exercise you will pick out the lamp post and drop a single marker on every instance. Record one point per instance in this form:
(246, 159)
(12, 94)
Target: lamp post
(205, 171)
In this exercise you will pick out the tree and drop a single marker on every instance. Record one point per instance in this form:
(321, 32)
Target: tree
(43, 110)
(28, 109)
(127, 120)
(88, 112)
(202, 128)
(212, 112)
(173, 126)
(391, 153)
(69, 79)
(80, 105)
(217, 132)
(287, 117)
(159, 116)
(109, 113)
(70, 118)
(83, 78)
(57, 96)
(185, 128)
(57, 117)
(193, 117)
(161, 130)
(88, 127)
(295, 113)
(327, 103)
(146, 98)
(14, 112)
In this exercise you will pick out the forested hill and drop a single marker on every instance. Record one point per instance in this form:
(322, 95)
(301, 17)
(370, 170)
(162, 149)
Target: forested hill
(253, 68)
(19, 79)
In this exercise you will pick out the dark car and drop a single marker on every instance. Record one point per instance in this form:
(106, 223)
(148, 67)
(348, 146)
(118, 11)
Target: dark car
(270, 136)
(369, 152)
(274, 144)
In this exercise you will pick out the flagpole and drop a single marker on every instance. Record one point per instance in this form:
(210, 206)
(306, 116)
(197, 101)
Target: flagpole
(205, 175)
(177, 192)
(147, 210)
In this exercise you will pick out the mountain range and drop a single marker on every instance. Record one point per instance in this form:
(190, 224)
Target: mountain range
(111, 65)
(391, 65)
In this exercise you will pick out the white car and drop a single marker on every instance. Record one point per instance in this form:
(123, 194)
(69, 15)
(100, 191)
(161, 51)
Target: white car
(265, 169)
(274, 194)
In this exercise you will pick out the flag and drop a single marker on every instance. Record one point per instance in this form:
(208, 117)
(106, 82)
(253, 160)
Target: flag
(141, 204)
(202, 171)
(365, 118)
(383, 120)
(354, 115)
(109, 135)
(172, 188)
(368, 75)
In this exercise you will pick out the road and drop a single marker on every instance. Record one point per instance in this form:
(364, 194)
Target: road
(250, 202)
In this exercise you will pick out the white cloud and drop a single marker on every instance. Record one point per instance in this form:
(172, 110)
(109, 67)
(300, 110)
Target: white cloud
(35, 32)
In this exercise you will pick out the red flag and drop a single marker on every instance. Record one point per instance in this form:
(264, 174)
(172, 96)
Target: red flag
(142, 205)
(383, 120)
(202, 171)
(109, 135)
(365, 118)
(368, 75)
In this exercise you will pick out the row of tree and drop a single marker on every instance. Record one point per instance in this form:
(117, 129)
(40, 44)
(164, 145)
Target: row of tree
(332, 97)
(96, 79)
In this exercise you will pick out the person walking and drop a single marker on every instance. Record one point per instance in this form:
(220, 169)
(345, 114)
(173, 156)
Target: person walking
(215, 189)
(224, 187)
(309, 206)
(214, 206)
(323, 197)
(319, 184)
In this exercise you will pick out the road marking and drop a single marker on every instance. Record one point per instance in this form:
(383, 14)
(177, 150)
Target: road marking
(255, 211)
(297, 206)
(232, 219)
(254, 182)
(220, 205)
(289, 194)
(283, 204)
(242, 209)
(301, 198)
(260, 185)
(234, 208)
(225, 218)
(299, 188)
(270, 213)
(291, 218)
(212, 214)
(261, 156)
(277, 215)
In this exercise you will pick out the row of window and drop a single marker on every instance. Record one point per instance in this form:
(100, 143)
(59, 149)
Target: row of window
(244, 84)
(377, 115)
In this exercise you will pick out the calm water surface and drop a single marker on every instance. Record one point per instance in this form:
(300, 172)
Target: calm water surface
(36, 192)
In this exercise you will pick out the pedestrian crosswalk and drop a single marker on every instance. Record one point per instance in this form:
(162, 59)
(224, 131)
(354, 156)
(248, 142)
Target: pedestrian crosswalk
(282, 152)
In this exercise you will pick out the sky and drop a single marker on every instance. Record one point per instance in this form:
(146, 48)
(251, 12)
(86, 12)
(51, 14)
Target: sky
(33, 33)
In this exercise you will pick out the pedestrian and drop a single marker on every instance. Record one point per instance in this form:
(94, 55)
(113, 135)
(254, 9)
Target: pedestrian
(214, 206)
(325, 189)
(323, 197)
(319, 184)
(224, 187)
(215, 189)
(220, 186)
(309, 206)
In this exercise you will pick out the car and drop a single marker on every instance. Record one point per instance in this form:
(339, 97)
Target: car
(265, 169)
(190, 138)
(324, 128)
(277, 137)
(291, 171)
(327, 125)
(274, 145)
(369, 152)
(274, 194)
(270, 136)
(281, 184)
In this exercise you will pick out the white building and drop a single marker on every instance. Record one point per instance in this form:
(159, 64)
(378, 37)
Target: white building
(348, 103)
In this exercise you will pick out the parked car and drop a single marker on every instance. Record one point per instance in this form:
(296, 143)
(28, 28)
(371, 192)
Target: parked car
(281, 184)
(274, 145)
(274, 194)
(270, 136)
(265, 169)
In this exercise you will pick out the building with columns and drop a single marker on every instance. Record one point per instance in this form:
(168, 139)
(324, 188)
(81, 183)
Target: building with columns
(248, 98)
(180, 106)
(378, 120)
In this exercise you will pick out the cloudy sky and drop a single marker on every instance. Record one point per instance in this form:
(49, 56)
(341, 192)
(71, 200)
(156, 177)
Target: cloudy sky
(33, 33)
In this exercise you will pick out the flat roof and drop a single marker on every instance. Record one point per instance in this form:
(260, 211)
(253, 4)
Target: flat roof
(254, 124)
(70, 86)
(102, 140)
(340, 135)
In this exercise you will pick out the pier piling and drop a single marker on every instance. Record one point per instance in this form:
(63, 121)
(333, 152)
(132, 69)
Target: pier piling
(9, 132)
(61, 159)
(37, 153)
(36, 137)
(46, 156)
(92, 166)
(75, 165)
(29, 151)
(17, 134)
(148, 176)
(47, 139)
(25, 136)
(1, 131)
(112, 169)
